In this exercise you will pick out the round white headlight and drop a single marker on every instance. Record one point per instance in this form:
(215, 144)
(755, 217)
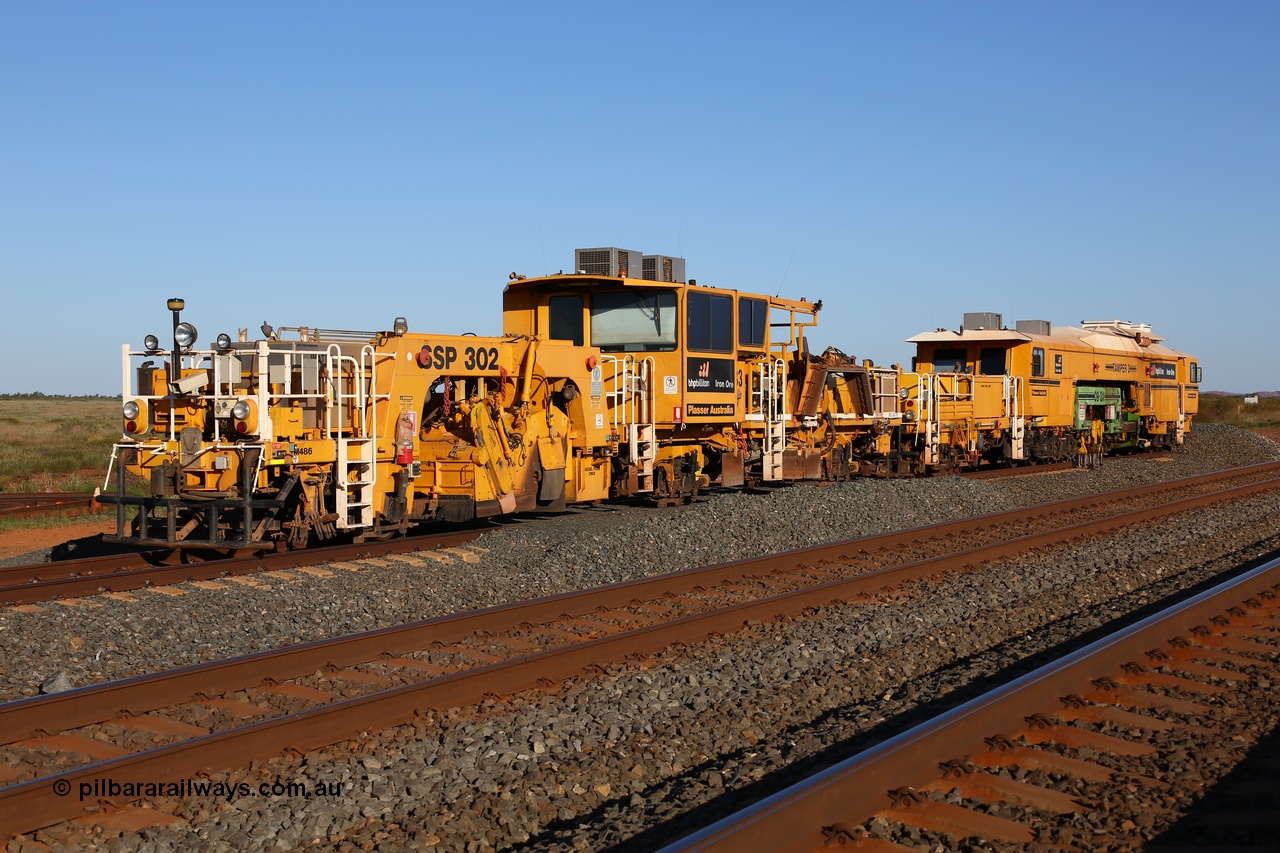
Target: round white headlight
(240, 410)
(131, 410)
(151, 343)
(185, 335)
(224, 341)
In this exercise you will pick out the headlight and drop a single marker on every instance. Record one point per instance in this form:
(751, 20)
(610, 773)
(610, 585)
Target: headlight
(184, 335)
(224, 341)
(245, 417)
(136, 417)
(151, 343)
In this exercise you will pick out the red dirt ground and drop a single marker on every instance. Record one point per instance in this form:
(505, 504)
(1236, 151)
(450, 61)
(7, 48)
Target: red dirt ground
(15, 542)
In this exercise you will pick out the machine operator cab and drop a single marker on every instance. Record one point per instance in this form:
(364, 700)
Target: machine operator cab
(678, 362)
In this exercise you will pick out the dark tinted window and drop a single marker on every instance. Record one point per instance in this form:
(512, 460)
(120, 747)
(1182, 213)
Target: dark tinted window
(710, 322)
(991, 361)
(752, 316)
(949, 361)
(565, 319)
(1037, 361)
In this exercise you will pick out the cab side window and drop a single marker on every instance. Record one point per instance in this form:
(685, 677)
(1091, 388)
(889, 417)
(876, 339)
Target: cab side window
(1037, 361)
(752, 316)
(949, 361)
(710, 322)
(991, 361)
(564, 319)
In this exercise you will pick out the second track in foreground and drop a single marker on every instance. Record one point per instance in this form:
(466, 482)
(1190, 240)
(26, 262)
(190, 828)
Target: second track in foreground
(350, 684)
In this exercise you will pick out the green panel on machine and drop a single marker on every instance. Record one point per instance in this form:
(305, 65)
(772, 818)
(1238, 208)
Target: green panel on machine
(1101, 403)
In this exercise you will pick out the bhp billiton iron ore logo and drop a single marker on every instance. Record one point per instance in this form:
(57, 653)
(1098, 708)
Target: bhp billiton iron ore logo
(709, 375)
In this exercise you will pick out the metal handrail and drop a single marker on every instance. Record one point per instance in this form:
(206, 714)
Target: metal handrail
(629, 397)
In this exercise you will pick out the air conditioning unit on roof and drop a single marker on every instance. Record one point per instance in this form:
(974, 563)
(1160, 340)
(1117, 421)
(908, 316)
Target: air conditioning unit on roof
(610, 262)
(985, 320)
(1034, 327)
(663, 268)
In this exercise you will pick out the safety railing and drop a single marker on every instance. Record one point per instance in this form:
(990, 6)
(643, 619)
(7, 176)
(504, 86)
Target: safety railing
(629, 391)
(1014, 403)
(767, 398)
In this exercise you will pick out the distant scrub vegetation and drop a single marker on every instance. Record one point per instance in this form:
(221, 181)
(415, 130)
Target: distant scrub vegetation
(40, 395)
(53, 443)
(1233, 410)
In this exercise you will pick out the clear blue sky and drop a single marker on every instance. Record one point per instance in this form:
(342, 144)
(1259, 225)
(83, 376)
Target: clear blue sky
(336, 165)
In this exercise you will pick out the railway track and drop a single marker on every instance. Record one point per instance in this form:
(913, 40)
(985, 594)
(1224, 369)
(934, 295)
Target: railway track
(32, 504)
(1005, 472)
(90, 576)
(93, 575)
(129, 570)
(1075, 755)
(229, 713)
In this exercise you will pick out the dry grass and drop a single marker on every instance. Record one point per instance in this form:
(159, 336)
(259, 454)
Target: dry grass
(1222, 409)
(61, 444)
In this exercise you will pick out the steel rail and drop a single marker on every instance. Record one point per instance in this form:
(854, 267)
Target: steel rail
(852, 791)
(1002, 472)
(44, 497)
(94, 703)
(31, 504)
(73, 582)
(31, 805)
(100, 567)
(1010, 473)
